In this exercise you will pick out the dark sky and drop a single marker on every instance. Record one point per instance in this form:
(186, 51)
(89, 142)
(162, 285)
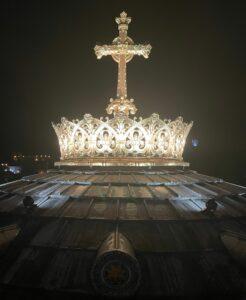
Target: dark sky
(196, 69)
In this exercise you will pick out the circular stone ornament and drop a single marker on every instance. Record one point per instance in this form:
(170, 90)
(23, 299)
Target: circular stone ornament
(116, 273)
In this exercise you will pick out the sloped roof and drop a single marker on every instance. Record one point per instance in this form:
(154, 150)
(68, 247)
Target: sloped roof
(124, 195)
(161, 212)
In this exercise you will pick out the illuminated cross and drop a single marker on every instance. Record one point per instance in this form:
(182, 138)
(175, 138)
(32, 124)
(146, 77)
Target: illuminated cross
(122, 51)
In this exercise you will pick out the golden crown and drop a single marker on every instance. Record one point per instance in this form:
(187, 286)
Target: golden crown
(121, 137)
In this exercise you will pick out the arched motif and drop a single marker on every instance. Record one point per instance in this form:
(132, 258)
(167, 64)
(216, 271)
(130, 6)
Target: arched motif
(81, 141)
(122, 136)
(161, 142)
(136, 140)
(106, 139)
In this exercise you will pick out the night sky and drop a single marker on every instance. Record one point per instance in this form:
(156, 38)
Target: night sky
(196, 69)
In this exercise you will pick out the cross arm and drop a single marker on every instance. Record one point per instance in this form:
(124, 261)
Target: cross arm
(126, 49)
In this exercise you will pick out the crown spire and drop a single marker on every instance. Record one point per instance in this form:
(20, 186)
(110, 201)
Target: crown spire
(122, 51)
(121, 140)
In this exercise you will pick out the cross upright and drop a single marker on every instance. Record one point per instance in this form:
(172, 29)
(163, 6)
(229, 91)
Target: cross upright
(122, 51)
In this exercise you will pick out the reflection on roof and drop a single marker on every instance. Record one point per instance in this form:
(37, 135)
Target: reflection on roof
(161, 212)
(160, 195)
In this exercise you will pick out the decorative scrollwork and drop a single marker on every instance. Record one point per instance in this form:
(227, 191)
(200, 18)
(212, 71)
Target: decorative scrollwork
(122, 136)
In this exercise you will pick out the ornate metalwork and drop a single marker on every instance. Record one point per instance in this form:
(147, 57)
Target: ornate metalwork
(122, 136)
(122, 51)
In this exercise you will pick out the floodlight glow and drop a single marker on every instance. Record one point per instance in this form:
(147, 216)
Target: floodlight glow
(122, 136)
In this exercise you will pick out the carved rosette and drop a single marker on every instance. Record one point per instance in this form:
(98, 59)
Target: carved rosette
(122, 136)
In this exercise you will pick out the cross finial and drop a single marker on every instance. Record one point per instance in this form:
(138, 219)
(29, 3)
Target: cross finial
(122, 51)
(123, 19)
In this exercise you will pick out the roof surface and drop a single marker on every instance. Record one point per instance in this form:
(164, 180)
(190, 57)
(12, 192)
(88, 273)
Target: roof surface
(161, 212)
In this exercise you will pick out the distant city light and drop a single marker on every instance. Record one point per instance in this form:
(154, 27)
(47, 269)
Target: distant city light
(195, 142)
(34, 157)
(14, 169)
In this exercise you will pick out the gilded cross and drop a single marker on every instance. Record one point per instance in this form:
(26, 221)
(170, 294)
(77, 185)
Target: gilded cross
(122, 51)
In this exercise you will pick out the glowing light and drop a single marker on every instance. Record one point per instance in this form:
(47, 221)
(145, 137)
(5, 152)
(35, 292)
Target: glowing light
(195, 142)
(122, 136)
(122, 51)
